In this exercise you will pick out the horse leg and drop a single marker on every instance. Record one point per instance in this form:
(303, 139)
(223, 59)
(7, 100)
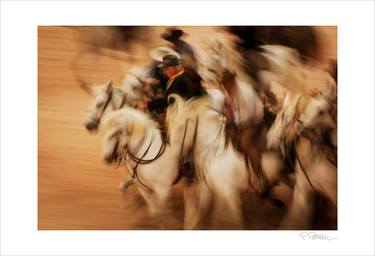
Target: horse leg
(190, 199)
(149, 198)
(157, 201)
(197, 204)
(324, 179)
(126, 183)
(229, 200)
(255, 160)
(272, 166)
(235, 209)
(300, 209)
(254, 154)
(161, 195)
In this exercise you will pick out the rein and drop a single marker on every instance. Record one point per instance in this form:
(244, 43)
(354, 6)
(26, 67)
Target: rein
(182, 146)
(323, 148)
(303, 168)
(109, 100)
(140, 160)
(122, 101)
(143, 161)
(312, 137)
(146, 161)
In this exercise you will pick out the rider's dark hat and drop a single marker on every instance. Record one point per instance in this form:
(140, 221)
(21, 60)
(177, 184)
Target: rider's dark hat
(170, 61)
(172, 34)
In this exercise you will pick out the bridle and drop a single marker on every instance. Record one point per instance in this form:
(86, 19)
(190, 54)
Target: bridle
(110, 101)
(141, 161)
(313, 138)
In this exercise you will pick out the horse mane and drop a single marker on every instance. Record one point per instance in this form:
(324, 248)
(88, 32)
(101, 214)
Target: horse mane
(182, 109)
(294, 74)
(292, 107)
(182, 116)
(133, 121)
(280, 56)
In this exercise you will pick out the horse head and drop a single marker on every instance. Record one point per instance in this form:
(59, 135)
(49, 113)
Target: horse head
(109, 98)
(320, 111)
(123, 129)
(101, 101)
(285, 128)
(301, 113)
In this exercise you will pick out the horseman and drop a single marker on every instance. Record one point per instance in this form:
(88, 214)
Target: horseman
(186, 51)
(155, 71)
(179, 82)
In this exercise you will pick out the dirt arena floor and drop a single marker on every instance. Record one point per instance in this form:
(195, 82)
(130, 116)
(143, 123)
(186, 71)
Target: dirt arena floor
(77, 190)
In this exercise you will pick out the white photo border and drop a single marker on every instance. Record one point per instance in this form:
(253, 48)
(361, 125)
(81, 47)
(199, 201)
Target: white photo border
(19, 31)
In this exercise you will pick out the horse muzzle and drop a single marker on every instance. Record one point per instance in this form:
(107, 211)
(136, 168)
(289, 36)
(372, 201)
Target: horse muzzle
(110, 158)
(92, 125)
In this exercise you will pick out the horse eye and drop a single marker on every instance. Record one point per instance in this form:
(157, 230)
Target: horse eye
(211, 70)
(99, 104)
(321, 112)
(283, 116)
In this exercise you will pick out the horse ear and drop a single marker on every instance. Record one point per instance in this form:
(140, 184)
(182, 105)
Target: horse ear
(109, 86)
(279, 91)
(297, 100)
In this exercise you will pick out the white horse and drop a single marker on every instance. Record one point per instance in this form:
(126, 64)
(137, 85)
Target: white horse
(224, 67)
(286, 68)
(130, 136)
(301, 125)
(221, 171)
(109, 98)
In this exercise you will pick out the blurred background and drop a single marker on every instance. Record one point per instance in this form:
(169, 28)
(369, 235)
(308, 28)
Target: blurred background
(76, 189)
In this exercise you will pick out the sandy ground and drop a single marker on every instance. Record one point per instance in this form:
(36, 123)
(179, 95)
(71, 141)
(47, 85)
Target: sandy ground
(76, 189)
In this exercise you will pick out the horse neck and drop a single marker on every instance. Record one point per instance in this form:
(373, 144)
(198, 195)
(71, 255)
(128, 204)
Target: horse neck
(145, 143)
(116, 101)
(108, 110)
(210, 133)
(182, 137)
(247, 105)
(307, 151)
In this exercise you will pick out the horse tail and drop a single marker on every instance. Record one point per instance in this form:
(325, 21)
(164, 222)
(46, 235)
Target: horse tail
(84, 86)
(81, 82)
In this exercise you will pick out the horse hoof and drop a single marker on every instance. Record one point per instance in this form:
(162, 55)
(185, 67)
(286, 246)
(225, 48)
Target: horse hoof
(125, 184)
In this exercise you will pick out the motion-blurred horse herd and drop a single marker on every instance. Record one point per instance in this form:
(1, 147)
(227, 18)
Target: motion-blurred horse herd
(283, 127)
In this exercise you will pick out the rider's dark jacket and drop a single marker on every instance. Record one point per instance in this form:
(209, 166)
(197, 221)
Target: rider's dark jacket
(180, 84)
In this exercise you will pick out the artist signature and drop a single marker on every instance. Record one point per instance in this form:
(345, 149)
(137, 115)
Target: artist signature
(315, 236)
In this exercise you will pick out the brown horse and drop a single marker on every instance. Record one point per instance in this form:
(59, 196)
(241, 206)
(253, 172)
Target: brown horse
(249, 137)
